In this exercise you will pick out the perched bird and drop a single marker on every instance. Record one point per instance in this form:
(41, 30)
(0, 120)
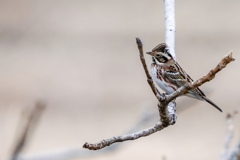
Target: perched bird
(169, 76)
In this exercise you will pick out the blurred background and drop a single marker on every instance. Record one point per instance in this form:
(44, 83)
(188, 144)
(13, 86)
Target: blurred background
(80, 57)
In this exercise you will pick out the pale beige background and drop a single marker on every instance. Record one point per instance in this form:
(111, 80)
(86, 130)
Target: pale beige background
(80, 57)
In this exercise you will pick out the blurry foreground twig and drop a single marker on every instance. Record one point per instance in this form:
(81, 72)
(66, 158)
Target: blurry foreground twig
(27, 128)
(78, 152)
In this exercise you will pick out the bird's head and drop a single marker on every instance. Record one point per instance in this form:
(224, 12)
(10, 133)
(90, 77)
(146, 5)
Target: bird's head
(160, 54)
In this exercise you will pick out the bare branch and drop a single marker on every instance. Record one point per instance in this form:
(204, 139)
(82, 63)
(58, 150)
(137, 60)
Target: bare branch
(166, 104)
(30, 124)
(167, 115)
(157, 127)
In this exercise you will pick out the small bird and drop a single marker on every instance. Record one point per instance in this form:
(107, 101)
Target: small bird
(169, 76)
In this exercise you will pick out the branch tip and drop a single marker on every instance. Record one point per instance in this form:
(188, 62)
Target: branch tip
(85, 145)
(91, 146)
(230, 56)
(138, 41)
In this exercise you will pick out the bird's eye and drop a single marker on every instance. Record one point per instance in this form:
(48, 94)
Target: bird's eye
(161, 59)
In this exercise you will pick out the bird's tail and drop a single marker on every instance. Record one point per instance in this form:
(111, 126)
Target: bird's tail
(210, 102)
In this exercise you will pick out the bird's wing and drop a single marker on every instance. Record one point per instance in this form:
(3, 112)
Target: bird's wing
(179, 77)
(175, 78)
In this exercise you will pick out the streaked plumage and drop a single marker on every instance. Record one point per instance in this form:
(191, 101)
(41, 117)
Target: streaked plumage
(169, 76)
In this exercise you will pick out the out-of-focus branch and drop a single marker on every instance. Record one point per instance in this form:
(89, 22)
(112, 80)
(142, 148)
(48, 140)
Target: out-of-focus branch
(78, 152)
(234, 154)
(31, 122)
(166, 104)
(229, 135)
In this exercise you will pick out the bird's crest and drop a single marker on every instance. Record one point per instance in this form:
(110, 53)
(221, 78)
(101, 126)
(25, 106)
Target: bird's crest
(160, 48)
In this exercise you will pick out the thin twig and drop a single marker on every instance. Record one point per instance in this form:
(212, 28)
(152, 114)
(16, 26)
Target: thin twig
(30, 124)
(157, 127)
(149, 77)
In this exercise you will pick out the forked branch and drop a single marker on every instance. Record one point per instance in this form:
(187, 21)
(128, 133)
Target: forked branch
(166, 104)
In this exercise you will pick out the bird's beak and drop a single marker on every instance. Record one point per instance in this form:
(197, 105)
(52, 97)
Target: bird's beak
(150, 53)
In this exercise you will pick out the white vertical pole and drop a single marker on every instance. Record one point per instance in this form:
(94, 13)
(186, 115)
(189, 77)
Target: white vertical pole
(169, 6)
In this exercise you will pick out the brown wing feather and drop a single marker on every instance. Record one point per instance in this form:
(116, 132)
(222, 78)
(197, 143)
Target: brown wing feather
(179, 77)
